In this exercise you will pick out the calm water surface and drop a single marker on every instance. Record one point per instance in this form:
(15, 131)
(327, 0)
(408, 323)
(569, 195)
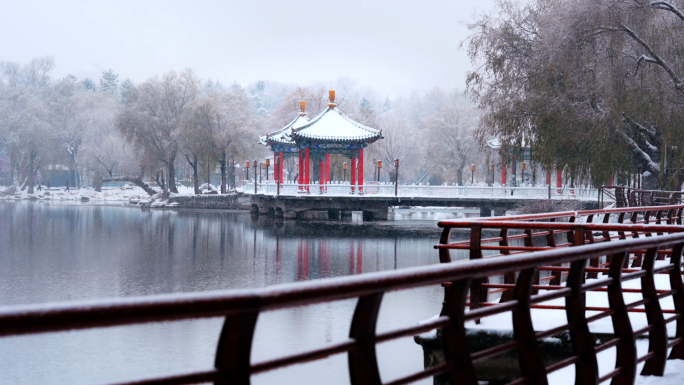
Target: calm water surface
(59, 252)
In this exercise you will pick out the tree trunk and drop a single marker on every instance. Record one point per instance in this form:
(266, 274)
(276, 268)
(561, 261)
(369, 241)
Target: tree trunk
(195, 176)
(97, 181)
(72, 170)
(222, 162)
(32, 159)
(137, 180)
(172, 178)
(12, 169)
(459, 176)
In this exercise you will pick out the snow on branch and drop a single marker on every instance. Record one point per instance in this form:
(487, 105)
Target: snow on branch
(667, 6)
(653, 149)
(641, 59)
(652, 166)
(652, 131)
(654, 58)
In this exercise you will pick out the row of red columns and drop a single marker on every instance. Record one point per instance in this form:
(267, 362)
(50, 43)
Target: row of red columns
(559, 176)
(324, 166)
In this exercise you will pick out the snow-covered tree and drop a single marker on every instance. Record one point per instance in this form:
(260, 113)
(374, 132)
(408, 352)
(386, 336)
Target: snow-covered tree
(153, 114)
(593, 86)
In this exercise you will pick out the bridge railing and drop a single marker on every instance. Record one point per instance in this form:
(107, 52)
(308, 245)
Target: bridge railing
(241, 309)
(377, 189)
(624, 196)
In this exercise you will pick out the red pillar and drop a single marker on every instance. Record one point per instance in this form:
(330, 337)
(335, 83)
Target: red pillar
(360, 169)
(307, 178)
(299, 165)
(280, 168)
(327, 168)
(559, 180)
(353, 173)
(548, 178)
(503, 173)
(321, 173)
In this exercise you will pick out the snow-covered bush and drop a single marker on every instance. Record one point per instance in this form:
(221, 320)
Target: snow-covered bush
(208, 188)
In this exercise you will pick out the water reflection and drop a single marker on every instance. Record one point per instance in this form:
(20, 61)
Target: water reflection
(57, 252)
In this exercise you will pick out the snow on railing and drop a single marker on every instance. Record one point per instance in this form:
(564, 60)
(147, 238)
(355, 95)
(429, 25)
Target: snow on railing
(376, 189)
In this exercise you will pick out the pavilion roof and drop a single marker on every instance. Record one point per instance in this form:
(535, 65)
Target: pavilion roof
(333, 126)
(283, 135)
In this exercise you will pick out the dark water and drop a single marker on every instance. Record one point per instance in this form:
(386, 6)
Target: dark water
(59, 252)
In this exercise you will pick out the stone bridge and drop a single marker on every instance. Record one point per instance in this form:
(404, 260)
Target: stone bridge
(374, 207)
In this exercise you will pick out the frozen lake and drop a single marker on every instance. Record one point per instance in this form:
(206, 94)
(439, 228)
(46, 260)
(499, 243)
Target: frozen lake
(59, 252)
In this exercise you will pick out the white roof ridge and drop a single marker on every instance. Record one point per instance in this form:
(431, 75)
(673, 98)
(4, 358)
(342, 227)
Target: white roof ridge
(370, 133)
(357, 124)
(282, 135)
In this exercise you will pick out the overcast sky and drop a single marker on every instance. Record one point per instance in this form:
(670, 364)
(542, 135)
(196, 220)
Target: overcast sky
(392, 46)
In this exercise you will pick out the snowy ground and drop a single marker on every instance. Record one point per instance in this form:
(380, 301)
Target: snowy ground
(127, 194)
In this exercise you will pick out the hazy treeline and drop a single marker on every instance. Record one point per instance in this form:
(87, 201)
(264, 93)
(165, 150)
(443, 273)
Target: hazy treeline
(178, 124)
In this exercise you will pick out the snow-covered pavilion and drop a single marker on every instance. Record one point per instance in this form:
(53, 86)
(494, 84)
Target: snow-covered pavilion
(281, 143)
(331, 132)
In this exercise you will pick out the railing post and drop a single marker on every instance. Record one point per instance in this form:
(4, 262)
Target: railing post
(551, 241)
(678, 298)
(234, 349)
(509, 278)
(363, 362)
(626, 353)
(586, 369)
(477, 294)
(606, 233)
(529, 242)
(445, 254)
(529, 355)
(454, 335)
(657, 336)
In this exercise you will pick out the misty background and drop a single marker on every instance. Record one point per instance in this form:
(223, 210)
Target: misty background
(394, 47)
(83, 87)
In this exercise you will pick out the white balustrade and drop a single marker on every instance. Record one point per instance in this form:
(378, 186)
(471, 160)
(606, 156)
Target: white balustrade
(382, 189)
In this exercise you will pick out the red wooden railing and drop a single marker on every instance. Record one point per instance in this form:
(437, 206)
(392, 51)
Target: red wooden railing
(241, 309)
(578, 230)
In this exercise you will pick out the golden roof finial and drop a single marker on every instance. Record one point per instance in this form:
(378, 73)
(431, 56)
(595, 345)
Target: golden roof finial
(331, 95)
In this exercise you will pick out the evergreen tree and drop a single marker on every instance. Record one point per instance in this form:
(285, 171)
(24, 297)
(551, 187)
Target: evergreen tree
(89, 84)
(109, 82)
(258, 97)
(125, 87)
(366, 113)
(387, 105)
